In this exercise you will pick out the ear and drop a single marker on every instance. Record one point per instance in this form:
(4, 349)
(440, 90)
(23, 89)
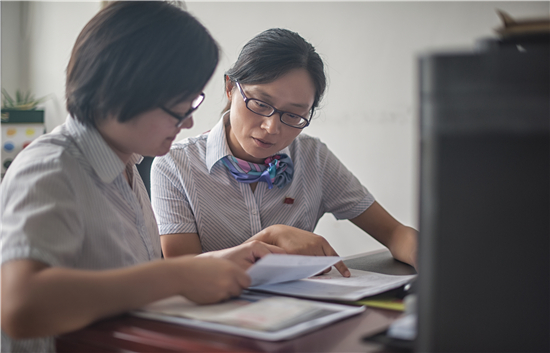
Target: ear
(228, 87)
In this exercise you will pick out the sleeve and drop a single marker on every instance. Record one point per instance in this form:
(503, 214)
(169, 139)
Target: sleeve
(173, 211)
(41, 218)
(343, 194)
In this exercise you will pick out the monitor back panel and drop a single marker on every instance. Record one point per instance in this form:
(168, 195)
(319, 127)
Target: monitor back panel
(484, 270)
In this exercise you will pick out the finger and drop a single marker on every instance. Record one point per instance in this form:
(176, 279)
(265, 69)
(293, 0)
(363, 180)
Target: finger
(329, 251)
(325, 271)
(275, 249)
(235, 291)
(243, 280)
(261, 249)
(343, 269)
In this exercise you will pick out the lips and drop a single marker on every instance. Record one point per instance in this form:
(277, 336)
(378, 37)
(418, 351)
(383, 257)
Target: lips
(262, 143)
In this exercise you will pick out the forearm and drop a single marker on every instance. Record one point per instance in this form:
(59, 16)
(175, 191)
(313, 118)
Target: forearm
(180, 244)
(403, 244)
(398, 238)
(57, 300)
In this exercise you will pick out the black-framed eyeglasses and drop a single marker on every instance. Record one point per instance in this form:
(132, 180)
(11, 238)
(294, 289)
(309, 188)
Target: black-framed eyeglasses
(264, 109)
(194, 105)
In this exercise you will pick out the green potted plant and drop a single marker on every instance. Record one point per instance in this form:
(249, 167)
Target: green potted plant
(22, 109)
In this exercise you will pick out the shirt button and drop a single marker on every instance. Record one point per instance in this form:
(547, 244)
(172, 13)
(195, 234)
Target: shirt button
(254, 212)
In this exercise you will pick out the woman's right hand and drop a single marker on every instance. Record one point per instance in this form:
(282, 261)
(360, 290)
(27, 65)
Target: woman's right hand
(206, 280)
(300, 242)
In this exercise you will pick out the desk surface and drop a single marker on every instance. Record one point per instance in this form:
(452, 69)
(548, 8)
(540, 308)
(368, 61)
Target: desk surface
(129, 333)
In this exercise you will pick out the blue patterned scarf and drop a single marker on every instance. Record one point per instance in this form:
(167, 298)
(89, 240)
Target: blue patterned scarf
(277, 170)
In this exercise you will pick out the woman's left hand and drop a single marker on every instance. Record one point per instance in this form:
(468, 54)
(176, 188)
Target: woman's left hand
(300, 242)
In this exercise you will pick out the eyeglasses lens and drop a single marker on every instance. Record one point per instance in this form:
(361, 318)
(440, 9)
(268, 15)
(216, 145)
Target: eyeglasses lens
(293, 120)
(260, 107)
(197, 101)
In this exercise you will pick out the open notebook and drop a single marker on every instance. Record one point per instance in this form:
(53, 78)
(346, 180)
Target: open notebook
(294, 275)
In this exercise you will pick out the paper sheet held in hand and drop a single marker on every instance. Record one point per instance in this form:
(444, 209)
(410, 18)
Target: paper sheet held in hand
(277, 268)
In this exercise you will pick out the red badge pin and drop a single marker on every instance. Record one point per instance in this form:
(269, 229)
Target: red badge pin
(288, 200)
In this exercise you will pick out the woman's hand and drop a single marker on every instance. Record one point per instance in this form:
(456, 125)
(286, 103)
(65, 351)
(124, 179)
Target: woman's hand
(246, 254)
(209, 280)
(39, 300)
(300, 242)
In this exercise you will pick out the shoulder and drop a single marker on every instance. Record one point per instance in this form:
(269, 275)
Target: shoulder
(50, 153)
(189, 150)
(48, 169)
(307, 146)
(190, 143)
(310, 152)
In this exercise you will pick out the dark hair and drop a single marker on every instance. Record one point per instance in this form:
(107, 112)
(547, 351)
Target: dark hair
(273, 53)
(134, 56)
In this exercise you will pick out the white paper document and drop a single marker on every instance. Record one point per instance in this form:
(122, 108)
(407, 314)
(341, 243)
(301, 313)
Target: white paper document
(333, 286)
(276, 268)
(256, 316)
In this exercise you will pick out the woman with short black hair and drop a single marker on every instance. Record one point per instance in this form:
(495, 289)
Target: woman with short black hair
(79, 238)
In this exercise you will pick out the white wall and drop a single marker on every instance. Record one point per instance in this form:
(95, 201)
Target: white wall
(49, 30)
(368, 117)
(15, 46)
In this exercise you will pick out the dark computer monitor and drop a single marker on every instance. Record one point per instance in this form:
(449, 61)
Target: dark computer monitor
(484, 270)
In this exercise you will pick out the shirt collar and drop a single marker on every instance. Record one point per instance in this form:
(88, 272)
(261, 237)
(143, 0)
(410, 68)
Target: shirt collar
(216, 144)
(101, 157)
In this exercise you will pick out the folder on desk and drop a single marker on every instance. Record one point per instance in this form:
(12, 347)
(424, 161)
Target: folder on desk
(269, 318)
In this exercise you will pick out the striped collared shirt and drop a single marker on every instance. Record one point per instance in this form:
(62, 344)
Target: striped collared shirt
(192, 191)
(66, 202)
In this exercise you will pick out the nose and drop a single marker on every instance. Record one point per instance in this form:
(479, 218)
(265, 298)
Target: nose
(187, 123)
(271, 124)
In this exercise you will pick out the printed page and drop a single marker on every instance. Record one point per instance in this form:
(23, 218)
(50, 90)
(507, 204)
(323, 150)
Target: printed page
(334, 286)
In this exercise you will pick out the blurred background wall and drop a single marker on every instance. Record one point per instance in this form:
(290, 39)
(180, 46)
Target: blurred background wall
(368, 117)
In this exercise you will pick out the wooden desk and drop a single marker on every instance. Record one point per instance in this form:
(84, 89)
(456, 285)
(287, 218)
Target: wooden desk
(127, 333)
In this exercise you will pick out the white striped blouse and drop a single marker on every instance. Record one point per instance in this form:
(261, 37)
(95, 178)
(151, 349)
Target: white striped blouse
(65, 202)
(193, 192)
